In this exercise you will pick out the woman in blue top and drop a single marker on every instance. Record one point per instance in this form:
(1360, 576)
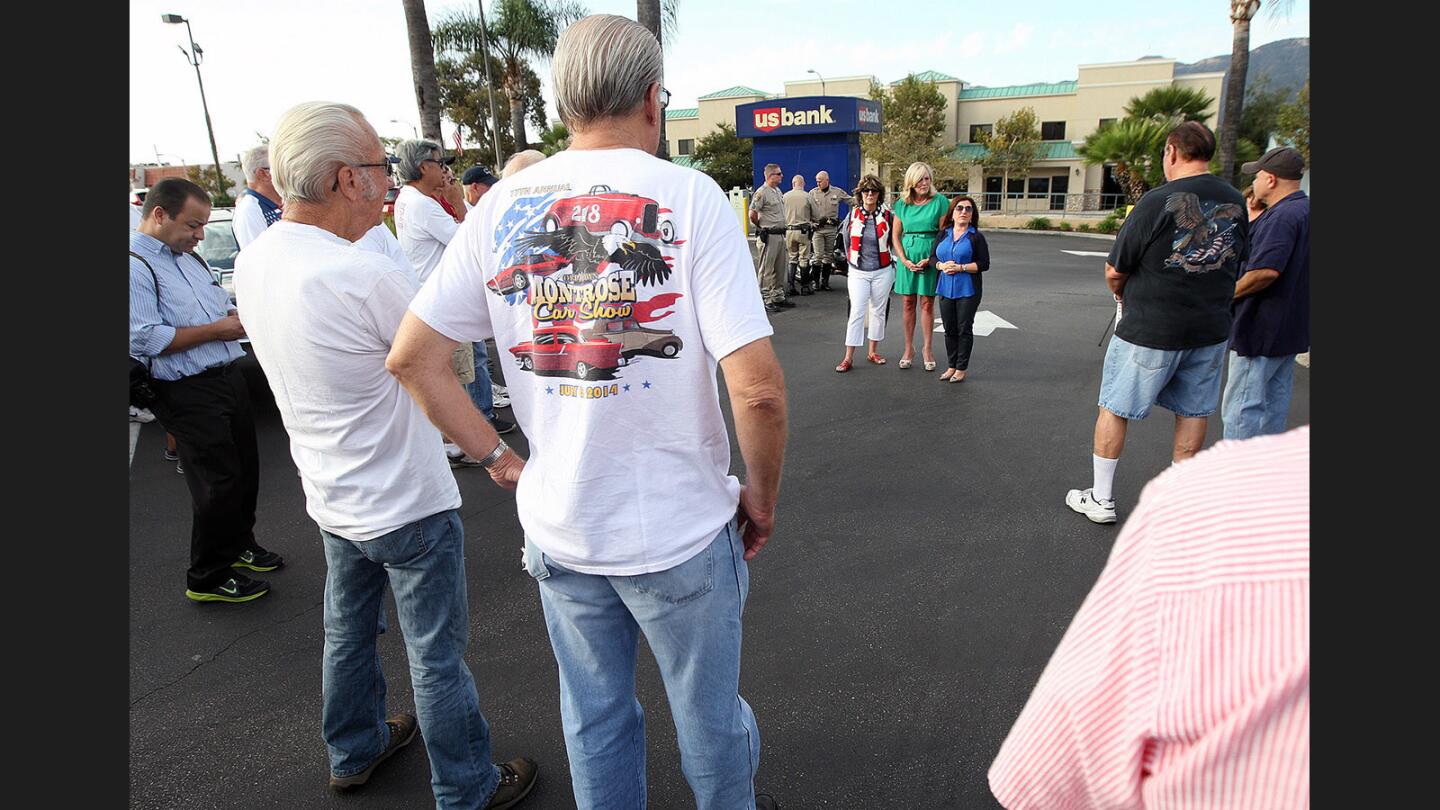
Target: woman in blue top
(961, 256)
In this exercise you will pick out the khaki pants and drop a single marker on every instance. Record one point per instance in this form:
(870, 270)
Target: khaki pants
(822, 244)
(463, 361)
(797, 243)
(771, 272)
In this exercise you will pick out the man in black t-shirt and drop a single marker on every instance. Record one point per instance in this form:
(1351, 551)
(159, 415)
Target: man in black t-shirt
(1172, 271)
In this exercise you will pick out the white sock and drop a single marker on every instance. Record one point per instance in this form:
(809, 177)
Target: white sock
(1104, 478)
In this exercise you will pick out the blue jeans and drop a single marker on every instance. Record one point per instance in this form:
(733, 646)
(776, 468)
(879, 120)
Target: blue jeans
(481, 391)
(424, 564)
(1257, 396)
(690, 615)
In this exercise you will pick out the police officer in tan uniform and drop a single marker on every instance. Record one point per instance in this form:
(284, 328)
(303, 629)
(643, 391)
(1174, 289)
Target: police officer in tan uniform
(767, 211)
(798, 219)
(825, 202)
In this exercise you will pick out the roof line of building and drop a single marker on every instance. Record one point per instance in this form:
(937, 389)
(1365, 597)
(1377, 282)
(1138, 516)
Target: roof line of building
(1161, 61)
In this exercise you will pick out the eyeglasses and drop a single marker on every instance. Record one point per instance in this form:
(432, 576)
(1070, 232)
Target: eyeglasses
(387, 166)
(869, 191)
(664, 97)
(964, 208)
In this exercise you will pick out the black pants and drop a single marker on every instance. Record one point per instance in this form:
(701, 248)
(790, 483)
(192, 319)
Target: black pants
(214, 427)
(958, 315)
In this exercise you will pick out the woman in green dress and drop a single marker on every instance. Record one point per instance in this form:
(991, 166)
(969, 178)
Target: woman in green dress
(917, 227)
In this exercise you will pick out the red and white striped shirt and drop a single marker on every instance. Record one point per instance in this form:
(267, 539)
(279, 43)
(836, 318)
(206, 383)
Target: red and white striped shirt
(1184, 680)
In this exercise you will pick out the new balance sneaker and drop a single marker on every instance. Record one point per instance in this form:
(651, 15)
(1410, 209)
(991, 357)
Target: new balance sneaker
(501, 397)
(1085, 502)
(238, 588)
(517, 777)
(259, 561)
(764, 801)
(142, 415)
(502, 426)
(402, 731)
(179, 468)
(463, 460)
(171, 455)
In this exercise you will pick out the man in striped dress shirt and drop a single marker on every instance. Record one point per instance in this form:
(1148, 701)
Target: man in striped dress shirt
(1184, 680)
(188, 332)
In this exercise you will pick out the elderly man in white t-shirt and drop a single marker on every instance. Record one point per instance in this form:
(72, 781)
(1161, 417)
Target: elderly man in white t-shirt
(615, 283)
(321, 313)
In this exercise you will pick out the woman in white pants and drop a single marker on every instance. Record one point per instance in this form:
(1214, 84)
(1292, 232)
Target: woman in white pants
(867, 234)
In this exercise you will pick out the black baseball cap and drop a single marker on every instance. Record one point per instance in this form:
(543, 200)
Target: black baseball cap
(478, 174)
(1283, 161)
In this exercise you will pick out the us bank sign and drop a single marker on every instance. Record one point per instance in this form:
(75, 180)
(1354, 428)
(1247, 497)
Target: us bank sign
(807, 115)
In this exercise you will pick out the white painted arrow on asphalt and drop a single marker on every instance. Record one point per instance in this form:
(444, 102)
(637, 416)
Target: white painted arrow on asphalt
(985, 323)
(1085, 253)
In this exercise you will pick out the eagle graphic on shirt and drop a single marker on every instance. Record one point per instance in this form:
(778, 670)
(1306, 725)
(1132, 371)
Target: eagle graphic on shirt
(583, 264)
(1204, 239)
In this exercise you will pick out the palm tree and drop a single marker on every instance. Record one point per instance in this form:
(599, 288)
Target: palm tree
(520, 30)
(1134, 146)
(1241, 13)
(1171, 102)
(660, 17)
(422, 68)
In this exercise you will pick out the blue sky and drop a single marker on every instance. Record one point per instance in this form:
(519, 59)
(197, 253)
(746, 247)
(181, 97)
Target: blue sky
(262, 56)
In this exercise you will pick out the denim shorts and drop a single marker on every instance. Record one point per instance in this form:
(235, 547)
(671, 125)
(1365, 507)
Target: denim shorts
(1186, 381)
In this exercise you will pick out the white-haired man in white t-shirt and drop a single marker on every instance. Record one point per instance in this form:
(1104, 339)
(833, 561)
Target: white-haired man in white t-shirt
(615, 283)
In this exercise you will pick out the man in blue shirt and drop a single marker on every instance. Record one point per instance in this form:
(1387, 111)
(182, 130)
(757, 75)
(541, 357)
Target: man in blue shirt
(181, 321)
(1272, 301)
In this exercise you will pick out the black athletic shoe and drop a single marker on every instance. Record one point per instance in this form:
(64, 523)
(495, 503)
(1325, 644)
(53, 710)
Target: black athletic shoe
(785, 304)
(402, 731)
(772, 309)
(259, 560)
(171, 455)
(764, 801)
(238, 588)
(502, 426)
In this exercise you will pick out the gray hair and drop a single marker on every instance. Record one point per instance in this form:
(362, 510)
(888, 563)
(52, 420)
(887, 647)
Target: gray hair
(253, 159)
(311, 142)
(771, 168)
(603, 66)
(521, 160)
(412, 153)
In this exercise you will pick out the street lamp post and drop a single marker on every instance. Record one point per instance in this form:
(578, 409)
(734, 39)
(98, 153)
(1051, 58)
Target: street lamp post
(821, 78)
(413, 130)
(194, 56)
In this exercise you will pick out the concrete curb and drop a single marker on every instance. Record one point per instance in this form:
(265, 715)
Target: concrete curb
(1110, 237)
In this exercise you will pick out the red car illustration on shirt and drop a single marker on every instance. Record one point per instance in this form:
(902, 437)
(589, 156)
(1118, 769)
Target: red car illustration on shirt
(564, 349)
(516, 278)
(603, 211)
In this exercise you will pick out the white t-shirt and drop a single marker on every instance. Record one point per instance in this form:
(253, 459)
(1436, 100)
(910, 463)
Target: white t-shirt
(379, 239)
(629, 469)
(321, 314)
(248, 221)
(424, 229)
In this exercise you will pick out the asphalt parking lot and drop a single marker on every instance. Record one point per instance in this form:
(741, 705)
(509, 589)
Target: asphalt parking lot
(923, 569)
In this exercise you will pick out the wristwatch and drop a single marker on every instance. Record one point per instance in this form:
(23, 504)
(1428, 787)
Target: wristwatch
(489, 461)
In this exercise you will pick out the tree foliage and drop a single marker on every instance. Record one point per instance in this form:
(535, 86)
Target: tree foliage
(1133, 146)
(914, 126)
(1171, 102)
(1012, 145)
(215, 183)
(1262, 109)
(464, 100)
(555, 139)
(1292, 123)
(725, 157)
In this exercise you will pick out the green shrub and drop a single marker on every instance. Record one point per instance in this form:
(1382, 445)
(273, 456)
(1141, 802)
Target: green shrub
(1108, 225)
(1038, 224)
(1065, 226)
(1084, 227)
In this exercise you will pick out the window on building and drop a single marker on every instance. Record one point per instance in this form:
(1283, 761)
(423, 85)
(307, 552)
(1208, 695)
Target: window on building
(1039, 188)
(1052, 131)
(687, 145)
(1105, 122)
(1059, 185)
(977, 129)
(1015, 189)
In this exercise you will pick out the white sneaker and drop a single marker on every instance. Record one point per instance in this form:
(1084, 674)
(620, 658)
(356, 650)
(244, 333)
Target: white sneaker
(142, 415)
(501, 396)
(1085, 502)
